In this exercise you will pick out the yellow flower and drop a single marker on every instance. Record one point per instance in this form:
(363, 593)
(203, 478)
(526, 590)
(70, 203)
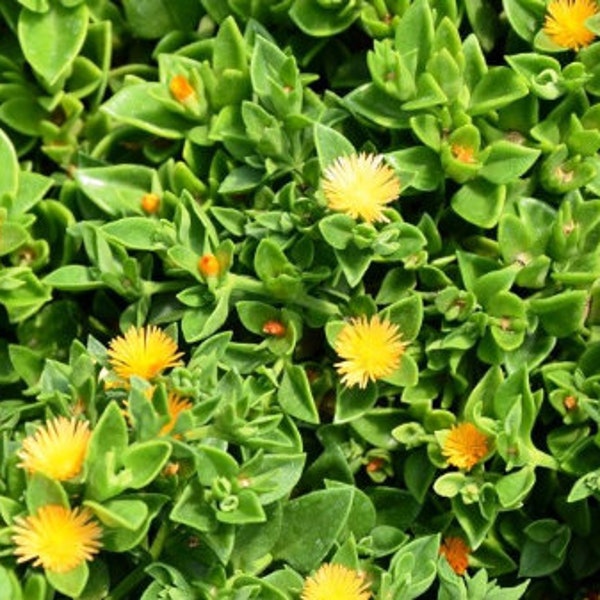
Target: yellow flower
(56, 538)
(57, 449)
(371, 350)
(465, 446)
(456, 552)
(360, 186)
(145, 352)
(335, 582)
(565, 22)
(175, 405)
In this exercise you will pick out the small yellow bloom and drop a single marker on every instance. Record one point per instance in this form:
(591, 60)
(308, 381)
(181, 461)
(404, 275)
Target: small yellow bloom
(371, 350)
(465, 446)
(150, 203)
(456, 552)
(57, 449)
(144, 352)
(360, 186)
(336, 582)
(464, 154)
(181, 88)
(175, 405)
(56, 538)
(565, 22)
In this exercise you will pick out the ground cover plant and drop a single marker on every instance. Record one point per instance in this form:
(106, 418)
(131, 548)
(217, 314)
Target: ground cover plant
(299, 299)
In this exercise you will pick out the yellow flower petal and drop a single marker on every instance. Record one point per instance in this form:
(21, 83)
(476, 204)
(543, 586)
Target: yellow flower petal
(465, 446)
(175, 405)
(371, 349)
(56, 538)
(565, 22)
(57, 449)
(336, 582)
(145, 352)
(360, 186)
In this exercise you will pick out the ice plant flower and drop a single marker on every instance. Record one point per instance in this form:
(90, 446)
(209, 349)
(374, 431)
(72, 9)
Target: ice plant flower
(208, 265)
(565, 23)
(371, 349)
(181, 88)
(360, 185)
(56, 538)
(335, 582)
(456, 552)
(56, 449)
(465, 446)
(144, 352)
(175, 406)
(464, 154)
(150, 203)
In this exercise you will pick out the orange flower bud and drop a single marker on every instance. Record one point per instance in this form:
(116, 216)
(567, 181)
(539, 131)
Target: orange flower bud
(274, 328)
(208, 265)
(374, 465)
(570, 403)
(181, 88)
(150, 203)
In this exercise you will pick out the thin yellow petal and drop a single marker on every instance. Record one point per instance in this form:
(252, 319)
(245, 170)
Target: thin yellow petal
(56, 538)
(465, 446)
(144, 352)
(370, 349)
(565, 22)
(57, 449)
(336, 582)
(360, 186)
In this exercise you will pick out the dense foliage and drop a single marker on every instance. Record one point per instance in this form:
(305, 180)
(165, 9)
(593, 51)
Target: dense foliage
(205, 205)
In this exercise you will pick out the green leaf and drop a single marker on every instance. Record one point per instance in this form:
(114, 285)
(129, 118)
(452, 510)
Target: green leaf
(129, 514)
(71, 583)
(497, 88)
(330, 145)
(118, 189)
(43, 491)
(51, 40)
(562, 314)
(144, 461)
(319, 20)
(407, 314)
(310, 526)
(480, 202)
(138, 105)
(295, 396)
(73, 278)
(141, 233)
(152, 19)
(353, 402)
(9, 182)
(507, 162)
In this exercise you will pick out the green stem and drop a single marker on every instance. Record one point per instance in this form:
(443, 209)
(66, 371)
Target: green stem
(159, 540)
(123, 589)
(157, 287)
(247, 284)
